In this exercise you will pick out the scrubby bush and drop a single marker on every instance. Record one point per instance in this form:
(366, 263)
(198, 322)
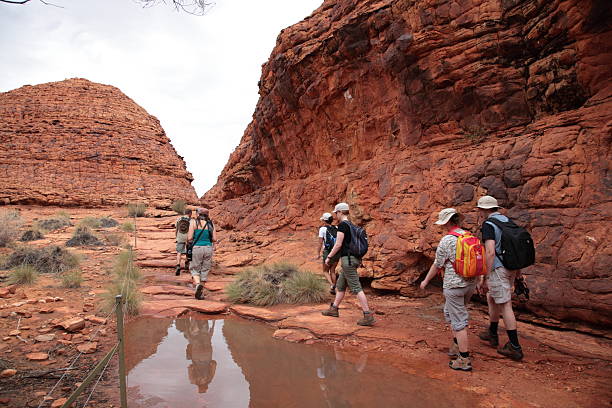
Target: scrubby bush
(51, 259)
(83, 236)
(125, 266)
(59, 220)
(31, 235)
(114, 238)
(277, 283)
(136, 209)
(10, 222)
(23, 275)
(91, 222)
(125, 282)
(179, 206)
(72, 278)
(108, 222)
(128, 227)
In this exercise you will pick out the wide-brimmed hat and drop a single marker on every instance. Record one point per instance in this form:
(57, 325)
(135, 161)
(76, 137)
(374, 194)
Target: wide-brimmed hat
(202, 210)
(341, 207)
(445, 215)
(487, 202)
(326, 217)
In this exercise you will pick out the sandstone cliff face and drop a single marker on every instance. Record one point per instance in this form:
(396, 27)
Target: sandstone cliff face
(76, 142)
(402, 108)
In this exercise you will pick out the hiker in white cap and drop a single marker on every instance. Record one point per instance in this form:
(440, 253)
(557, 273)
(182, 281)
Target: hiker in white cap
(499, 281)
(457, 289)
(327, 240)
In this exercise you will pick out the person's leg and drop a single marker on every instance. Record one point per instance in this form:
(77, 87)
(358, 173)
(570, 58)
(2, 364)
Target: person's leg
(340, 292)
(456, 309)
(462, 340)
(363, 301)
(207, 252)
(332, 273)
(196, 265)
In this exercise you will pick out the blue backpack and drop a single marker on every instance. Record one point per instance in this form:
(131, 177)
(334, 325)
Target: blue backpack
(358, 246)
(331, 232)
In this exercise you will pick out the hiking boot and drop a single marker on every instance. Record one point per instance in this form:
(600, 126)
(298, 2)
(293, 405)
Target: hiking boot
(367, 319)
(489, 338)
(332, 311)
(198, 291)
(509, 350)
(332, 290)
(178, 270)
(453, 350)
(461, 363)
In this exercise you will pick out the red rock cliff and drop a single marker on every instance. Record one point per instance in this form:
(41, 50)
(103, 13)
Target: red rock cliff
(76, 142)
(402, 108)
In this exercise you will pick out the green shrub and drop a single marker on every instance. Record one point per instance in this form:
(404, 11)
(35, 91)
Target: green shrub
(72, 278)
(277, 283)
(31, 235)
(23, 275)
(59, 220)
(179, 206)
(128, 227)
(83, 236)
(51, 259)
(10, 222)
(136, 209)
(91, 222)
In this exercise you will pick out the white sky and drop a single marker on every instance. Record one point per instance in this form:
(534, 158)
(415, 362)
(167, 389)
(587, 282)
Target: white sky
(197, 75)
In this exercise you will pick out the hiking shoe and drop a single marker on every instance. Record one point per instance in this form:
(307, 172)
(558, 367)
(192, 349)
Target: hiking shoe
(332, 290)
(509, 350)
(198, 292)
(461, 363)
(332, 311)
(178, 270)
(453, 350)
(489, 338)
(367, 319)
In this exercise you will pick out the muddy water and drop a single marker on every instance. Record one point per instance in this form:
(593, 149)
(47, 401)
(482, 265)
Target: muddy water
(192, 362)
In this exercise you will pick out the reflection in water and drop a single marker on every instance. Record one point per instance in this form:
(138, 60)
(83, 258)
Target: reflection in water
(193, 362)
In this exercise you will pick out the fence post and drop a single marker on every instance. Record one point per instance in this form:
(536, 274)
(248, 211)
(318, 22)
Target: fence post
(120, 335)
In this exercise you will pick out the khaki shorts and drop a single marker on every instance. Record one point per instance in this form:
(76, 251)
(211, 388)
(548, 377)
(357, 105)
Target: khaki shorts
(349, 275)
(500, 282)
(455, 306)
(181, 247)
(201, 262)
(332, 260)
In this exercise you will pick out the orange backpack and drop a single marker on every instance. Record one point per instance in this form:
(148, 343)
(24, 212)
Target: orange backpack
(470, 258)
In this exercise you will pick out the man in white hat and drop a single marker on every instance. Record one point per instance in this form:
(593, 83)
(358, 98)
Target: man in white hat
(327, 240)
(499, 281)
(457, 289)
(349, 277)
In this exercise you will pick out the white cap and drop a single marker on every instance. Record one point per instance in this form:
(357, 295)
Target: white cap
(326, 217)
(341, 207)
(487, 202)
(445, 215)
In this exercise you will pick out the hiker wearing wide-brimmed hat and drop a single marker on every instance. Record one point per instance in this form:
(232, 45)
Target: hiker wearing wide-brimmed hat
(499, 281)
(327, 239)
(457, 289)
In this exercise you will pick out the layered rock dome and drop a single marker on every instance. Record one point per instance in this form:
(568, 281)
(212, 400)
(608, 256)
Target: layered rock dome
(76, 142)
(402, 108)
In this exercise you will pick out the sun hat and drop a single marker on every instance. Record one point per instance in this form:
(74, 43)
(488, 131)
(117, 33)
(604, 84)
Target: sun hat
(341, 207)
(325, 216)
(202, 210)
(445, 215)
(487, 202)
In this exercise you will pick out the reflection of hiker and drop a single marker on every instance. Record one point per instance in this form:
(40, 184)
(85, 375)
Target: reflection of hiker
(182, 229)
(201, 237)
(457, 289)
(199, 333)
(327, 239)
(349, 275)
(500, 278)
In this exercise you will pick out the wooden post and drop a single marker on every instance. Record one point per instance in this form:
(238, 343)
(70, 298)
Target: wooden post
(121, 350)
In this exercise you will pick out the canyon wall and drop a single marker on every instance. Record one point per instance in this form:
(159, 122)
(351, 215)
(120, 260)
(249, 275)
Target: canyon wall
(404, 107)
(76, 142)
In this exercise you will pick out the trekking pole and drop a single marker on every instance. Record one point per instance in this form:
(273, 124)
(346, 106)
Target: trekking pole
(120, 335)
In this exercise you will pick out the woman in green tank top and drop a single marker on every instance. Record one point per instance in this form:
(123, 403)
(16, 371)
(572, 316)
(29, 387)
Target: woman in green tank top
(202, 235)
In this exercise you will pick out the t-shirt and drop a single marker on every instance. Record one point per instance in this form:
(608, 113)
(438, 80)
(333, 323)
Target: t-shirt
(493, 232)
(344, 228)
(445, 256)
(322, 232)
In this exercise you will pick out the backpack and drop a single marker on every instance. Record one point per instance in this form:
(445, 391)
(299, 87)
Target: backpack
(470, 260)
(182, 225)
(517, 249)
(330, 236)
(359, 241)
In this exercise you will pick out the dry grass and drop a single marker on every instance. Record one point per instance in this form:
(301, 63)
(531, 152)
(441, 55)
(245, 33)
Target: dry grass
(136, 209)
(72, 278)
(179, 206)
(128, 227)
(23, 275)
(51, 259)
(277, 283)
(83, 236)
(114, 238)
(10, 222)
(125, 282)
(59, 220)
(33, 234)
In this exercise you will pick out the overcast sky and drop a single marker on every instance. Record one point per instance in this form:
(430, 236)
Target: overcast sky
(197, 75)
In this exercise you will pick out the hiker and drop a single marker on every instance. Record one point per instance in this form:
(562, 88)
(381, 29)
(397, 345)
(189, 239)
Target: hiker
(201, 238)
(349, 263)
(499, 281)
(181, 230)
(327, 239)
(457, 289)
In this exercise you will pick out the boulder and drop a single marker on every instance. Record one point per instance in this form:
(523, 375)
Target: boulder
(73, 324)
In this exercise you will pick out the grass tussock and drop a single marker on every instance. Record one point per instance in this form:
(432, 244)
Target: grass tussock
(128, 227)
(179, 206)
(108, 222)
(51, 259)
(72, 278)
(114, 239)
(10, 222)
(58, 221)
(136, 209)
(83, 236)
(33, 234)
(101, 222)
(23, 275)
(125, 282)
(281, 282)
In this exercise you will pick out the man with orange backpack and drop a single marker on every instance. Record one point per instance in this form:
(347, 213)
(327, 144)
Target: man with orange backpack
(462, 257)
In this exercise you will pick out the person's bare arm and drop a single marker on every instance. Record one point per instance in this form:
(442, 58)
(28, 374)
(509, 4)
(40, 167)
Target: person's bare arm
(490, 254)
(191, 230)
(433, 270)
(321, 246)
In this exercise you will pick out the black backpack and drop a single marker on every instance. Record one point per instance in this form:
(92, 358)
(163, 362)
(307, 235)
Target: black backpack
(331, 232)
(182, 226)
(517, 249)
(359, 241)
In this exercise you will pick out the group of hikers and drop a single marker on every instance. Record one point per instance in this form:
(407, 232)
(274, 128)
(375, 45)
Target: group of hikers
(466, 263)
